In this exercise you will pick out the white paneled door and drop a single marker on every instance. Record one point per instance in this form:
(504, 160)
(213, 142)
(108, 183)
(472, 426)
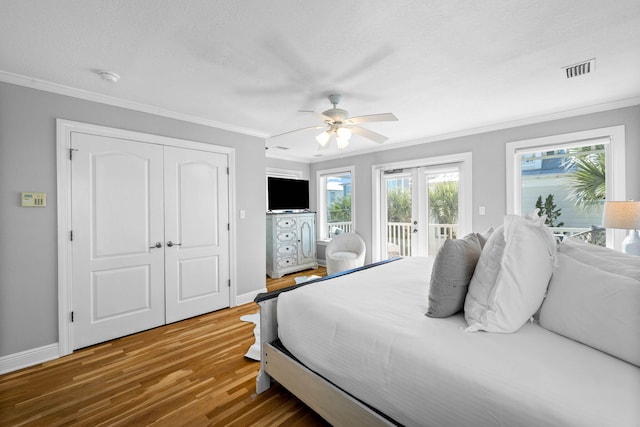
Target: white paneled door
(150, 242)
(196, 235)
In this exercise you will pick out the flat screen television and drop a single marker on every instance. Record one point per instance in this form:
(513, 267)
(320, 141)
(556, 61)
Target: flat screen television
(287, 194)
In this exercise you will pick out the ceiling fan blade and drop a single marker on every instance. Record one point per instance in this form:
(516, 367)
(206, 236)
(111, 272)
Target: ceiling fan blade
(374, 136)
(297, 130)
(384, 117)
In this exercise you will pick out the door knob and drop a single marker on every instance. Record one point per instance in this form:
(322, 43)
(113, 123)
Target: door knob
(170, 244)
(157, 245)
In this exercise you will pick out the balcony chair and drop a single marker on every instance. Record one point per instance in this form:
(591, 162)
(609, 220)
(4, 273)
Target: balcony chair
(346, 251)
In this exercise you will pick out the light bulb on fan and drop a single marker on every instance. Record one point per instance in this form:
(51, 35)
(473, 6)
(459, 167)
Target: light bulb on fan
(342, 143)
(344, 133)
(323, 138)
(342, 137)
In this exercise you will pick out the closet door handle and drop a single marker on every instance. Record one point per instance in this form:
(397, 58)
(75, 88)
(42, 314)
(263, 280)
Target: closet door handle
(157, 245)
(170, 244)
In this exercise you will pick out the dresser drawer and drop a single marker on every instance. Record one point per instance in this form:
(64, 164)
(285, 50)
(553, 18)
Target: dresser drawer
(282, 223)
(287, 250)
(286, 236)
(286, 262)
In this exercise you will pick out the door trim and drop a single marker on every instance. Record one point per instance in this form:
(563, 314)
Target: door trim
(465, 218)
(64, 129)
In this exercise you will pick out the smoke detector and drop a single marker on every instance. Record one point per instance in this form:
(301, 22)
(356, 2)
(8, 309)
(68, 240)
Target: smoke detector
(109, 76)
(579, 69)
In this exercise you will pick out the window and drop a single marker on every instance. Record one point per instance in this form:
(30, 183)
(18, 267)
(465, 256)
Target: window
(336, 202)
(568, 177)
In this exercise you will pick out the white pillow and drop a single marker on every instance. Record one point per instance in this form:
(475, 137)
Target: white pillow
(511, 276)
(572, 245)
(594, 298)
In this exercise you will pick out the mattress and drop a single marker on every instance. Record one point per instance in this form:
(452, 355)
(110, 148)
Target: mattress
(367, 333)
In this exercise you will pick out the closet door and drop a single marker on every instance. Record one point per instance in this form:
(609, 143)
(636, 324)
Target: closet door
(117, 216)
(196, 232)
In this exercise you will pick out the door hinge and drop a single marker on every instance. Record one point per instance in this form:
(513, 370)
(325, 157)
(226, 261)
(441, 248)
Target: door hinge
(228, 226)
(229, 282)
(72, 317)
(71, 235)
(227, 170)
(71, 150)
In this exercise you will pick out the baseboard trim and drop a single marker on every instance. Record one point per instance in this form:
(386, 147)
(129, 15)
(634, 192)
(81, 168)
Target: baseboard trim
(249, 296)
(24, 359)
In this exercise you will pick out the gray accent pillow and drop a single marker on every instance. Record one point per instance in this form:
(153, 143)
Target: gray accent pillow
(452, 271)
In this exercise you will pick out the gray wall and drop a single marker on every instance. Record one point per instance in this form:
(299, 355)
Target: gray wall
(28, 253)
(489, 170)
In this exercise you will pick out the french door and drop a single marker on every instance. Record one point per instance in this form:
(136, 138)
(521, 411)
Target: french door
(420, 208)
(150, 241)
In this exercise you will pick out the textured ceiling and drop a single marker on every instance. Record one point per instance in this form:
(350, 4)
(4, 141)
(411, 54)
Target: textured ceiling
(442, 67)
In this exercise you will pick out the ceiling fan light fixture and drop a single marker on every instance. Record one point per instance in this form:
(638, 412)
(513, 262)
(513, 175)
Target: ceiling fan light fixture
(342, 143)
(323, 138)
(344, 133)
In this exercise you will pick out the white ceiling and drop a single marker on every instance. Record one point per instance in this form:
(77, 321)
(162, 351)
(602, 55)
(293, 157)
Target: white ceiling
(442, 67)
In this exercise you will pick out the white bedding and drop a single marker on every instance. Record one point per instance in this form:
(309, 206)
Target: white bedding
(367, 333)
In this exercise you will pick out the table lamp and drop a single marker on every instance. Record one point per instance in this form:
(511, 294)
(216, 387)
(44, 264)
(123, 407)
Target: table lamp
(624, 215)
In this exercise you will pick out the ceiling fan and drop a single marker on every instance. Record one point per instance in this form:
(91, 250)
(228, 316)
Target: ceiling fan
(339, 124)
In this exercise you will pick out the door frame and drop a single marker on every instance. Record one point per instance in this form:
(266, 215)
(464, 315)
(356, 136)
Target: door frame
(64, 130)
(465, 193)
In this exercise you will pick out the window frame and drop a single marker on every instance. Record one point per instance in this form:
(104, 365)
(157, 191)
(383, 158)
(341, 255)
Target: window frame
(612, 137)
(321, 196)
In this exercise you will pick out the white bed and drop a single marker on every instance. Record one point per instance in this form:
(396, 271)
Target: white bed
(367, 334)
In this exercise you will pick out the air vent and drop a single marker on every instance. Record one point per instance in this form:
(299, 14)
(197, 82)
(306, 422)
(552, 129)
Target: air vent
(579, 69)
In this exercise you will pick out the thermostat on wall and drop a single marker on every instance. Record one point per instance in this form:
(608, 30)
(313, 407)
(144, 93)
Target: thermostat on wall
(33, 200)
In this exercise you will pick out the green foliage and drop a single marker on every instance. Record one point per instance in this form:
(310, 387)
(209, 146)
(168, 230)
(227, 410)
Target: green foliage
(443, 202)
(549, 209)
(587, 187)
(340, 210)
(399, 206)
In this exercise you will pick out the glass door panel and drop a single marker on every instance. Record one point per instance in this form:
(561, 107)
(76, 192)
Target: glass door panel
(442, 201)
(420, 210)
(398, 211)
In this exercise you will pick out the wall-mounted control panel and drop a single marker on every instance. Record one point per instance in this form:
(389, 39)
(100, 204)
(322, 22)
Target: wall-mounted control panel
(33, 200)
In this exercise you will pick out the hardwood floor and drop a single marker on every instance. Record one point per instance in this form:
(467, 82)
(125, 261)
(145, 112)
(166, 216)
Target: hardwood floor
(189, 373)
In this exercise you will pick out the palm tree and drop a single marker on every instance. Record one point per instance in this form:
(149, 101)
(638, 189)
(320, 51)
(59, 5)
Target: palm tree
(443, 202)
(586, 182)
(399, 205)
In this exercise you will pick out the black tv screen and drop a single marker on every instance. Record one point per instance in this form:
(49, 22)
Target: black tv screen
(287, 194)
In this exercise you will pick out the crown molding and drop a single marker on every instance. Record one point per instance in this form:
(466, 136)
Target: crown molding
(565, 114)
(59, 89)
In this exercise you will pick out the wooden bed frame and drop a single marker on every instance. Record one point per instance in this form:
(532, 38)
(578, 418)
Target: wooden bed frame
(329, 401)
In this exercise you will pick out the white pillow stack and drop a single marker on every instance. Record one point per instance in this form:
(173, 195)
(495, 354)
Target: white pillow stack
(594, 298)
(511, 277)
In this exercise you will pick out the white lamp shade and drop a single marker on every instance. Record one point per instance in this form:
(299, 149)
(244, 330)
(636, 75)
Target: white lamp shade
(323, 138)
(624, 215)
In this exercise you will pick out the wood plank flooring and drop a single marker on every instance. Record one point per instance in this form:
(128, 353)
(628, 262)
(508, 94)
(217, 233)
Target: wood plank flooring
(189, 373)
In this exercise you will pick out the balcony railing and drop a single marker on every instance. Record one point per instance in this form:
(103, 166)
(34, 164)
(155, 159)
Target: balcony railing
(345, 226)
(399, 235)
